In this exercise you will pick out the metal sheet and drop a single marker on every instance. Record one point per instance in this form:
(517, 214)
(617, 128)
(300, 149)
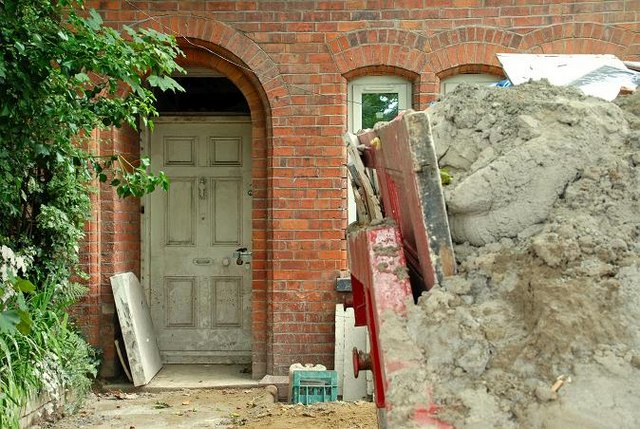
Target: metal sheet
(407, 170)
(606, 81)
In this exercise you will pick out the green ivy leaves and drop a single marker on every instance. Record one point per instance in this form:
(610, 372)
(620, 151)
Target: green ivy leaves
(17, 318)
(62, 75)
(129, 180)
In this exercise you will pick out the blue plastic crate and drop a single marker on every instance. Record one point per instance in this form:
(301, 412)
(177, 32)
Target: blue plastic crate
(308, 387)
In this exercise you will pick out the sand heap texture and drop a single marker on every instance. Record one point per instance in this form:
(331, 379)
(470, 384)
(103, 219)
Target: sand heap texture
(544, 208)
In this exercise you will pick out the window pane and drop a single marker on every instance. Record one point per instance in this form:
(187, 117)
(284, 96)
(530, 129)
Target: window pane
(378, 107)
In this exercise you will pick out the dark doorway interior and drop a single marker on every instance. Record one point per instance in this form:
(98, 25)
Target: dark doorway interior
(203, 95)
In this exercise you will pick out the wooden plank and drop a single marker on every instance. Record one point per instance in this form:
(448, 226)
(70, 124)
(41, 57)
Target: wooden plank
(339, 352)
(432, 211)
(368, 199)
(356, 184)
(347, 337)
(354, 389)
(123, 360)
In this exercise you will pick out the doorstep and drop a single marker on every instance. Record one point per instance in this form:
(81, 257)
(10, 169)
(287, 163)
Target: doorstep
(179, 377)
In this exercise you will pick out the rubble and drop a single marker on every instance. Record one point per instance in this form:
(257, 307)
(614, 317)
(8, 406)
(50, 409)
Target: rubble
(539, 328)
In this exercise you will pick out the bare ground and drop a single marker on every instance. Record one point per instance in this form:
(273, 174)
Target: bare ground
(228, 408)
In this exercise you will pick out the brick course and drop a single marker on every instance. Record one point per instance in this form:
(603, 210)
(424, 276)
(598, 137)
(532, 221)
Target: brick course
(292, 60)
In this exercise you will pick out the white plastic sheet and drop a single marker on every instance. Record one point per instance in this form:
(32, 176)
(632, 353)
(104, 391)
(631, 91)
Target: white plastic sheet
(598, 75)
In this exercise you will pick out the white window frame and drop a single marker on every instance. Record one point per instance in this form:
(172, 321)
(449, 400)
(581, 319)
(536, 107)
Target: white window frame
(373, 85)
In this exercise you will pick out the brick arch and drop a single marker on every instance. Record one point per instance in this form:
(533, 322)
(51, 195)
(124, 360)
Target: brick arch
(215, 45)
(464, 50)
(202, 54)
(381, 70)
(470, 45)
(583, 38)
(370, 48)
(225, 40)
(470, 68)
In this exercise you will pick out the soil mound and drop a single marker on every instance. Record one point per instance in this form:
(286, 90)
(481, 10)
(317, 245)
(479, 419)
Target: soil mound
(544, 207)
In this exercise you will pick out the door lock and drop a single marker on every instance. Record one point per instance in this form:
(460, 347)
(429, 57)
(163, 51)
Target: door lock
(242, 256)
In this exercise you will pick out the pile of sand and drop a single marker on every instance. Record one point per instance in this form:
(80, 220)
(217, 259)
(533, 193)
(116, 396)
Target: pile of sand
(545, 209)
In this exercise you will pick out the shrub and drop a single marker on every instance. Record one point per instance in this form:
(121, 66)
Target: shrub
(62, 75)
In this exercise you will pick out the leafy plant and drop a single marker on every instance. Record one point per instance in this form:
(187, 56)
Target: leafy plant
(52, 357)
(14, 314)
(128, 179)
(63, 74)
(378, 107)
(445, 176)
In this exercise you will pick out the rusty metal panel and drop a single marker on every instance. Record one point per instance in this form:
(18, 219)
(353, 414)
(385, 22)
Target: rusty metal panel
(403, 154)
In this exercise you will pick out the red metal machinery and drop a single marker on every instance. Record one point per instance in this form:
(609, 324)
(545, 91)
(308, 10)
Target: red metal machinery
(393, 262)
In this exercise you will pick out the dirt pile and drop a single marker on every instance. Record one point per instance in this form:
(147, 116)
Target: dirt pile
(545, 209)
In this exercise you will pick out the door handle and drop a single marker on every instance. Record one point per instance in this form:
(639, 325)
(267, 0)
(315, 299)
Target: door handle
(202, 261)
(242, 255)
(202, 188)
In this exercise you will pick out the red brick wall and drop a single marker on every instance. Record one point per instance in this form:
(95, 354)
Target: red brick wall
(88, 311)
(112, 245)
(293, 60)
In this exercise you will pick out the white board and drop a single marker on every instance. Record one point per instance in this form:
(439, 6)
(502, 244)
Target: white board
(338, 356)
(349, 336)
(137, 329)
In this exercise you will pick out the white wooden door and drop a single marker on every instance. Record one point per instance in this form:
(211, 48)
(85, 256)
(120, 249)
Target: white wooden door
(200, 297)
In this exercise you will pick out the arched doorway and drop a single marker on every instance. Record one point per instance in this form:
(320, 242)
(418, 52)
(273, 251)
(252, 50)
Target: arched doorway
(222, 123)
(199, 280)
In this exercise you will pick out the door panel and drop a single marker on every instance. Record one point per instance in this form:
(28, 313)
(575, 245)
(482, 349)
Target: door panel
(227, 301)
(226, 222)
(180, 296)
(181, 216)
(200, 298)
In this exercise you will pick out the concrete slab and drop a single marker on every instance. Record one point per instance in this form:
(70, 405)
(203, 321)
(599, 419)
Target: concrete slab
(137, 328)
(177, 377)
